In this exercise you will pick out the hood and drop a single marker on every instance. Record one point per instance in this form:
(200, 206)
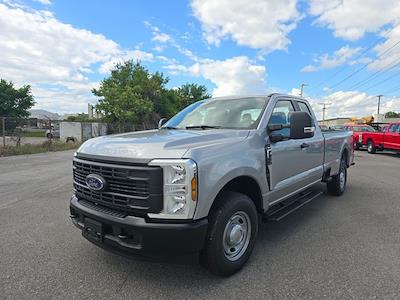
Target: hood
(143, 146)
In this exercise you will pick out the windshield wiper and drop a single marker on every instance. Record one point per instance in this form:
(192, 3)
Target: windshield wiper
(202, 127)
(168, 127)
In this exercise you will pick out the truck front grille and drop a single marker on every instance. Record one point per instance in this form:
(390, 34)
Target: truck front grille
(130, 188)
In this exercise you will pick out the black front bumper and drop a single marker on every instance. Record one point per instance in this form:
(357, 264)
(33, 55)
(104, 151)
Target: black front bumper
(132, 235)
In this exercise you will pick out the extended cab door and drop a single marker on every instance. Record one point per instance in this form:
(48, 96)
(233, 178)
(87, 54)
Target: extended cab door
(392, 137)
(294, 163)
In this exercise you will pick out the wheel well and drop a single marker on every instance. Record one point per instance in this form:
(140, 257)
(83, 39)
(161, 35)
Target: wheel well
(244, 185)
(345, 154)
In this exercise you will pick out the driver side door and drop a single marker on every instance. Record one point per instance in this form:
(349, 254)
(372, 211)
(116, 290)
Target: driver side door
(295, 163)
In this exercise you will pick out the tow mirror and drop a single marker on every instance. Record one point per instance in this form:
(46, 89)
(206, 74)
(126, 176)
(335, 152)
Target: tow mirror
(301, 125)
(276, 137)
(162, 122)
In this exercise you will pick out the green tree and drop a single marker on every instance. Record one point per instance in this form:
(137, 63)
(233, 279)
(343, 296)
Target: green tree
(80, 117)
(131, 93)
(15, 102)
(190, 93)
(392, 114)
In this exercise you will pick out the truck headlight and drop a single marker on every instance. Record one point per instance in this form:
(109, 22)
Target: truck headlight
(180, 188)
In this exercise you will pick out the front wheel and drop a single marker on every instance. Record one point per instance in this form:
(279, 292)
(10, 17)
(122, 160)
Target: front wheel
(370, 147)
(337, 186)
(233, 227)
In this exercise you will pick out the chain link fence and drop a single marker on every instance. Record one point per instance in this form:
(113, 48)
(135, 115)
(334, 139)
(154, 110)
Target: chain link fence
(20, 131)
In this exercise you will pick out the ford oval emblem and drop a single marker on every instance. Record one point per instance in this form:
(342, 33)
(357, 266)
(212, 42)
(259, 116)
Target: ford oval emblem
(95, 182)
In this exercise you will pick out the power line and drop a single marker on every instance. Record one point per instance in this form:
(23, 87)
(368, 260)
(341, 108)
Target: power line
(347, 66)
(382, 81)
(374, 75)
(364, 66)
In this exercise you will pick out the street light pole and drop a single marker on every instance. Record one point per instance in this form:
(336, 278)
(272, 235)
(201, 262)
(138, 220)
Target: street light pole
(302, 88)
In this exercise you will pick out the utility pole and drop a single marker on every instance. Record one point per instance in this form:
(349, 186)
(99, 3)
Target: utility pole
(302, 88)
(324, 105)
(379, 102)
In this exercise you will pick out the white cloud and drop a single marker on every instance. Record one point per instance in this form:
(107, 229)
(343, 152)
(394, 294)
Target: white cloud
(161, 37)
(353, 104)
(233, 76)
(351, 19)
(339, 57)
(44, 2)
(388, 52)
(38, 49)
(258, 24)
(124, 56)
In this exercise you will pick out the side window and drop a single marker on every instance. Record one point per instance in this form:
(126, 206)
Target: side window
(281, 115)
(393, 128)
(303, 107)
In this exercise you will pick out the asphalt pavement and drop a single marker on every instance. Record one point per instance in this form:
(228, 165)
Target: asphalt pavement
(332, 248)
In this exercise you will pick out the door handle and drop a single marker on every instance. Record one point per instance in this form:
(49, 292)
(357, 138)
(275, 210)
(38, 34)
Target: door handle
(304, 145)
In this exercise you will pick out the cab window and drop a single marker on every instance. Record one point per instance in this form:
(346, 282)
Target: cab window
(303, 107)
(281, 116)
(394, 128)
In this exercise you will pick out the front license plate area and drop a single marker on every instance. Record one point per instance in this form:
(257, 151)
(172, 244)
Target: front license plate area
(93, 230)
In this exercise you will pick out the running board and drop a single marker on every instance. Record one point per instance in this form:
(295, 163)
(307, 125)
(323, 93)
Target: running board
(284, 208)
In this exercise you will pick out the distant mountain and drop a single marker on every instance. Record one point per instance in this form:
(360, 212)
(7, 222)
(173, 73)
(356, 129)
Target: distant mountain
(43, 114)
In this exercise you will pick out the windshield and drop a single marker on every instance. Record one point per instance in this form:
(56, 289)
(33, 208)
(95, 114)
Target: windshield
(243, 113)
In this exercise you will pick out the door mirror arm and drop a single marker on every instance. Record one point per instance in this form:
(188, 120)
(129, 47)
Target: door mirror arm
(162, 122)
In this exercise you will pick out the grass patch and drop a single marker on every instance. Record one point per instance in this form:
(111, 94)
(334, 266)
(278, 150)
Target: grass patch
(33, 134)
(48, 146)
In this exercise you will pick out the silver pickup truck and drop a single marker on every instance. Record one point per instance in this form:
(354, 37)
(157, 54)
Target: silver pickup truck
(200, 184)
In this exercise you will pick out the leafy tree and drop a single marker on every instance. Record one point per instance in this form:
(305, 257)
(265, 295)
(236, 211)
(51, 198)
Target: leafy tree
(392, 114)
(80, 117)
(190, 93)
(131, 94)
(15, 102)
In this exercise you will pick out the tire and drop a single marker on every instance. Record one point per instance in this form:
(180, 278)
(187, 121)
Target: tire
(234, 216)
(337, 186)
(49, 135)
(356, 146)
(370, 147)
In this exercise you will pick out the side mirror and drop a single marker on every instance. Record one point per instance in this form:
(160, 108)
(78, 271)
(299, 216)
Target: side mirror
(276, 137)
(162, 122)
(301, 125)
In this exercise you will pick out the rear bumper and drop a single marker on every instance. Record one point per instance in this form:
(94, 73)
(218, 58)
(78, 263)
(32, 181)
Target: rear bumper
(132, 235)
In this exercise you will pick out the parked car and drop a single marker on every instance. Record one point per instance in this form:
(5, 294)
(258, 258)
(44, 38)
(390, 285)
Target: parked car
(357, 130)
(388, 138)
(338, 127)
(200, 183)
(53, 132)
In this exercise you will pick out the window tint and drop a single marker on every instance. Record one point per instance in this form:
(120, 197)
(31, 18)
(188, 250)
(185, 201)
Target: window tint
(281, 115)
(394, 128)
(304, 107)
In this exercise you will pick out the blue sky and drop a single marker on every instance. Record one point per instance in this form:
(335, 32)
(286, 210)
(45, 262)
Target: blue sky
(345, 50)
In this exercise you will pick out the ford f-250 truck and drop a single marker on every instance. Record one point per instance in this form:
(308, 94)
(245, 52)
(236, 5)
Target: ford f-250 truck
(201, 182)
(388, 139)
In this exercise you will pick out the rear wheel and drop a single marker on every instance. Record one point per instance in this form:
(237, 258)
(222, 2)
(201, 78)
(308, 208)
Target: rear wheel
(370, 147)
(337, 186)
(233, 227)
(49, 136)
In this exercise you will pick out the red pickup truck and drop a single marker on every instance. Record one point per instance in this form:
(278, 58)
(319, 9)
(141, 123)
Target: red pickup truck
(388, 138)
(357, 131)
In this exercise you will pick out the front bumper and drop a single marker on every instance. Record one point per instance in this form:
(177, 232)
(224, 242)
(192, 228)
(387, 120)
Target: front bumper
(132, 235)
